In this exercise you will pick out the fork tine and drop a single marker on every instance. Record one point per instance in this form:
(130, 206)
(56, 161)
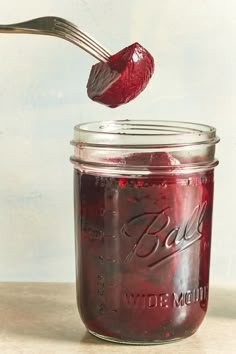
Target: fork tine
(77, 41)
(76, 30)
(76, 34)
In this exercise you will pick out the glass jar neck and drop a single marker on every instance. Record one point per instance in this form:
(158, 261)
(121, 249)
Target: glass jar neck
(166, 146)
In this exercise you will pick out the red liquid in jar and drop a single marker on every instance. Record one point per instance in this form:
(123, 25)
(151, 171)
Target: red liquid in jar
(143, 253)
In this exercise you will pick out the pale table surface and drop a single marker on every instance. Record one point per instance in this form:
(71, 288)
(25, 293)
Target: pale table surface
(43, 318)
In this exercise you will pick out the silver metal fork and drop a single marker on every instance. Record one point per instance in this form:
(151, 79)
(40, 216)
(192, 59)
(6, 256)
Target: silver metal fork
(59, 27)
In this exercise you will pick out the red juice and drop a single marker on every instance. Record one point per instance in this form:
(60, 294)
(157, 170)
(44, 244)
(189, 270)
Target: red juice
(143, 253)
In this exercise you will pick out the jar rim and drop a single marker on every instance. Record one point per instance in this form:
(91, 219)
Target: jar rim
(145, 133)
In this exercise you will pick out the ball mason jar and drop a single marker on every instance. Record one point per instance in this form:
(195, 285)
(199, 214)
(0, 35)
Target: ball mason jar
(143, 194)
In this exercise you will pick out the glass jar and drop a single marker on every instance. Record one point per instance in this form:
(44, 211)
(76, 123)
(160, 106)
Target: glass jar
(143, 193)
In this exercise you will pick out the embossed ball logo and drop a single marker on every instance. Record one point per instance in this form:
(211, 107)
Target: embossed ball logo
(159, 239)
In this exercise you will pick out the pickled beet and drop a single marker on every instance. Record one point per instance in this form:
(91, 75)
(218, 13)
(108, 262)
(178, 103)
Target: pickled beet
(143, 251)
(122, 78)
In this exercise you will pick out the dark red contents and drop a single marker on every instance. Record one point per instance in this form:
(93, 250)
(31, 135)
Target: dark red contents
(121, 79)
(143, 253)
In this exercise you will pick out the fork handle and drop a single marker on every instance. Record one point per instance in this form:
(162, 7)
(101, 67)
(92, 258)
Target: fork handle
(13, 29)
(30, 27)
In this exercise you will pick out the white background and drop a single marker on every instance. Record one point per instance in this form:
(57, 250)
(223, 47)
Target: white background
(43, 95)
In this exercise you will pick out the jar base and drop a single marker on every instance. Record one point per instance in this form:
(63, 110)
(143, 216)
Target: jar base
(131, 342)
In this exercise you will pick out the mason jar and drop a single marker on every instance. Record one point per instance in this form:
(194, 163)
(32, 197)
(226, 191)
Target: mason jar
(143, 197)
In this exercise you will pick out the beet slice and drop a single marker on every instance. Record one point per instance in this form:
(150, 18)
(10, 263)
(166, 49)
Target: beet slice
(121, 79)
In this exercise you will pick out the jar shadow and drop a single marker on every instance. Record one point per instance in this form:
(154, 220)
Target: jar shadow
(90, 339)
(222, 302)
(45, 311)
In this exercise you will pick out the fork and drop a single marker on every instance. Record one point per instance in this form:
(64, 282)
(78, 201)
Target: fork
(59, 27)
